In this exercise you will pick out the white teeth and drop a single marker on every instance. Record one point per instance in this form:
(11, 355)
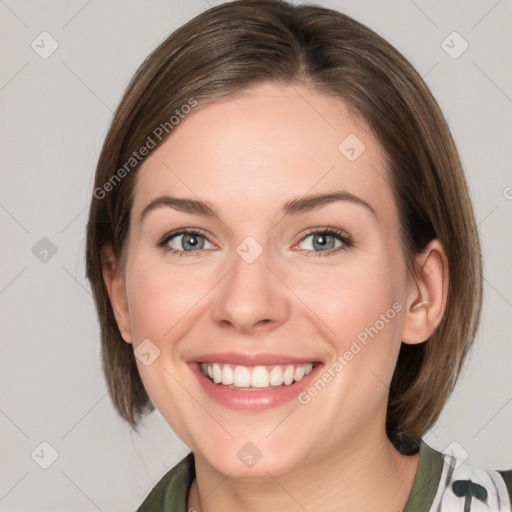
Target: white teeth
(217, 374)
(242, 377)
(276, 376)
(299, 372)
(227, 376)
(260, 377)
(289, 373)
(255, 376)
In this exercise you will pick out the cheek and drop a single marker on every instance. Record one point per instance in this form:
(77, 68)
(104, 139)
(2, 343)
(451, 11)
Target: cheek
(161, 302)
(160, 298)
(358, 305)
(348, 298)
(360, 308)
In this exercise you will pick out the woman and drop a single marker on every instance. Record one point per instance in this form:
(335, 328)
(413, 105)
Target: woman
(286, 265)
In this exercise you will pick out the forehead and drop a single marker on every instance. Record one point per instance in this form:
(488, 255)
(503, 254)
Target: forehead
(253, 151)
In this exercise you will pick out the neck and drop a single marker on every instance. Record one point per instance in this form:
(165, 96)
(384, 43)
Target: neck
(361, 476)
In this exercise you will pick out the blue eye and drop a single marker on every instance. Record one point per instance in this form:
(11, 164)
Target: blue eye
(331, 239)
(190, 242)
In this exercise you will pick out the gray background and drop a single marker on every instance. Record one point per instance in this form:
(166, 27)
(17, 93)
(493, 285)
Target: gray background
(54, 115)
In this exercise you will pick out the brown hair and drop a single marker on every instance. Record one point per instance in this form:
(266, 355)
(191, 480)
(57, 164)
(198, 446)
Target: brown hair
(235, 45)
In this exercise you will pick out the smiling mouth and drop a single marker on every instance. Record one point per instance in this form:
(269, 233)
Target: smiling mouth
(255, 378)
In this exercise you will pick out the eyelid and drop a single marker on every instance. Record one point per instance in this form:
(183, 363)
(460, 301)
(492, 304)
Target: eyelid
(342, 235)
(326, 229)
(183, 231)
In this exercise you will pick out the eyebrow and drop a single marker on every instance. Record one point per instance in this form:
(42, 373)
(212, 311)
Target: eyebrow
(295, 206)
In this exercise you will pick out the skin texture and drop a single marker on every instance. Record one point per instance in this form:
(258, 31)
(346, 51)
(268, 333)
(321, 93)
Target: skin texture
(248, 155)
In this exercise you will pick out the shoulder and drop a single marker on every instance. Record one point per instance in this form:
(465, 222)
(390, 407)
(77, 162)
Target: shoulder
(170, 494)
(465, 486)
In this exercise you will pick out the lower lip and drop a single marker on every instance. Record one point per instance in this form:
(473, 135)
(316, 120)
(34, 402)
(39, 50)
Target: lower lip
(253, 400)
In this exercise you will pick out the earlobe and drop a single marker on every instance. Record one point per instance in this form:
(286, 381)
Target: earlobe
(428, 291)
(114, 283)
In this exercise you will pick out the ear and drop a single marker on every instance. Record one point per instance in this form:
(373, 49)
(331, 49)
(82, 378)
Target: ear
(114, 282)
(427, 295)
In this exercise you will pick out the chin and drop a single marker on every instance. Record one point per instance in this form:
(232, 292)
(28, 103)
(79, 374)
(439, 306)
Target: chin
(245, 459)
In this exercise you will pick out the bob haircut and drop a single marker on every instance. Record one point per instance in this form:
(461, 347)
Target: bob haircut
(235, 45)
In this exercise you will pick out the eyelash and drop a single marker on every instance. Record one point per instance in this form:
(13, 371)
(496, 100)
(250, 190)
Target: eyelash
(337, 233)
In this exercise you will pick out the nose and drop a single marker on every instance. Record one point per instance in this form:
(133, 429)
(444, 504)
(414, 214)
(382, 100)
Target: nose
(251, 298)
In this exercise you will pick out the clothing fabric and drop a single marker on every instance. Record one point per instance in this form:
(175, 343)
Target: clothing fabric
(443, 483)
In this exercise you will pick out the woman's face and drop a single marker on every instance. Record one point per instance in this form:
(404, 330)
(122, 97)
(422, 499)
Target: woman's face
(272, 286)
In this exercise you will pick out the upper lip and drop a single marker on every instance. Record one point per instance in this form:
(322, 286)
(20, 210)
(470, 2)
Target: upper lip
(246, 359)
